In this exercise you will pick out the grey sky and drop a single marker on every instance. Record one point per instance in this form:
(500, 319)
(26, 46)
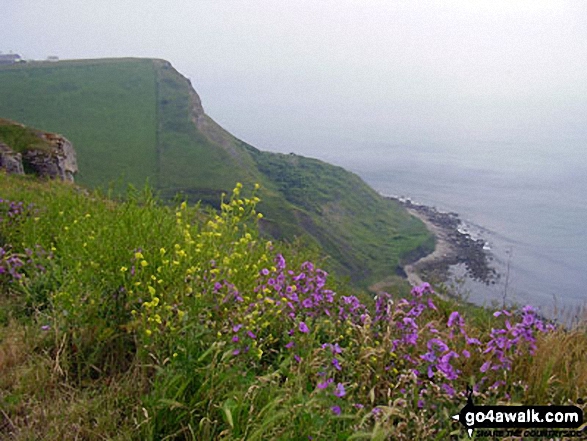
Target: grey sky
(289, 75)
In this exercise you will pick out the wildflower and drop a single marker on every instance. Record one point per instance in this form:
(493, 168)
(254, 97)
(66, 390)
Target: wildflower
(336, 410)
(336, 364)
(437, 344)
(448, 389)
(473, 341)
(340, 391)
(303, 328)
(45, 327)
(454, 317)
(324, 384)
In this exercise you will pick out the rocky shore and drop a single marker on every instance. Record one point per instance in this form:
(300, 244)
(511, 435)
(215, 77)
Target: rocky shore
(452, 247)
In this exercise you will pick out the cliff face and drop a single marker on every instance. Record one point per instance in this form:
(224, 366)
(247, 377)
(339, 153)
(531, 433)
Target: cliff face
(10, 160)
(44, 154)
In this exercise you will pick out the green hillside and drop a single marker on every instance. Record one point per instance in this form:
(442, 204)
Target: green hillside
(136, 119)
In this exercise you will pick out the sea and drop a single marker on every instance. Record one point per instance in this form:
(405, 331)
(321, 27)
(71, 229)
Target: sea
(527, 201)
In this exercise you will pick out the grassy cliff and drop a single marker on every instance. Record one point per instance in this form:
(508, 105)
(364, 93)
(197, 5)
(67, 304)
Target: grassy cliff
(133, 120)
(141, 321)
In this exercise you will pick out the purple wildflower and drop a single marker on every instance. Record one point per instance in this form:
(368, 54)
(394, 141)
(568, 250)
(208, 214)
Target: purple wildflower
(454, 317)
(303, 328)
(485, 366)
(448, 389)
(340, 391)
(325, 384)
(336, 410)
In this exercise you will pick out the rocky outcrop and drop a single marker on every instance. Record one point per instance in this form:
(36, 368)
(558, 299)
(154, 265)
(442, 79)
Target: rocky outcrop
(59, 162)
(53, 156)
(10, 160)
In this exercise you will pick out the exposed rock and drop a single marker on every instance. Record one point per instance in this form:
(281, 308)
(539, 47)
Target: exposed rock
(457, 248)
(53, 157)
(57, 162)
(10, 160)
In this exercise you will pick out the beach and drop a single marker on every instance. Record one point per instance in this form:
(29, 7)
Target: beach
(452, 247)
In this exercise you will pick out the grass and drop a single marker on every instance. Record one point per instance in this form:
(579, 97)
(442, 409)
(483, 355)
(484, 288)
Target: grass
(106, 109)
(368, 236)
(142, 321)
(20, 139)
(132, 120)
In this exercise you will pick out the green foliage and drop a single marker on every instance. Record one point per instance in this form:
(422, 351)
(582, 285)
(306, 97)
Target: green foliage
(20, 138)
(106, 108)
(135, 119)
(368, 236)
(146, 321)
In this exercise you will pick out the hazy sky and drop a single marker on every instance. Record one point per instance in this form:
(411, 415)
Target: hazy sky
(290, 75)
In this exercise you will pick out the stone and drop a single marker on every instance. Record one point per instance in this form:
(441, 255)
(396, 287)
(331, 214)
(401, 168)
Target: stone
(10, 160)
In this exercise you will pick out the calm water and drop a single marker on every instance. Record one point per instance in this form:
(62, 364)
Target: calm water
(527, 201)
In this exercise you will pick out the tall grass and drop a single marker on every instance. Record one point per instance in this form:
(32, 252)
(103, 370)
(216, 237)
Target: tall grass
(134, 320)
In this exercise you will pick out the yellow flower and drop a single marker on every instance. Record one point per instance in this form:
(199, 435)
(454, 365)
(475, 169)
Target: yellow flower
(151, 290)
(148, 332)
(138, 255)
(144, 263)
(123, 269)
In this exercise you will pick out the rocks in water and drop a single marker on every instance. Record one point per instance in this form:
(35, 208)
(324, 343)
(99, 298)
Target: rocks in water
(463, 248)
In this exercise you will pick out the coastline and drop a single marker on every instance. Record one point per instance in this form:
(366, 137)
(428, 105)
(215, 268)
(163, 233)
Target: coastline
(453, 247)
